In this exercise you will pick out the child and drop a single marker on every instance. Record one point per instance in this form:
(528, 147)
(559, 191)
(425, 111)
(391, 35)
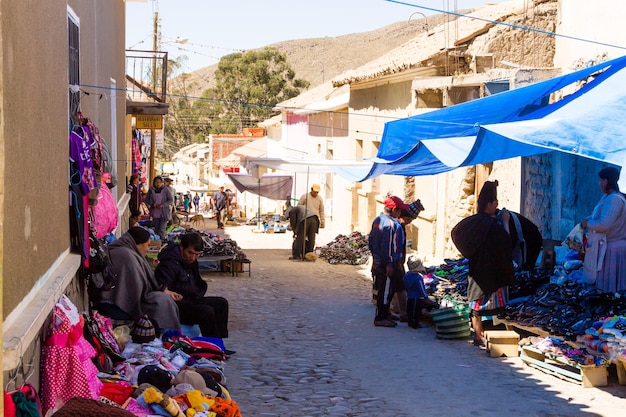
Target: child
(416, 291)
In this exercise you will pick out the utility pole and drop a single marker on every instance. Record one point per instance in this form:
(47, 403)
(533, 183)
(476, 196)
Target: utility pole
(155, 44)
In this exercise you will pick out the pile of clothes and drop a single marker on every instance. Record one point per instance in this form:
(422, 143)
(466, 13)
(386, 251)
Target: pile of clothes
(351, 250)
(214, 245)
(89, 368)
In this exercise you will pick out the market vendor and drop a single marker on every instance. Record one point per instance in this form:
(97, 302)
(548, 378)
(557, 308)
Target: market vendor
(178, 270)
(605, 252)
(487, 245)
(136, 291)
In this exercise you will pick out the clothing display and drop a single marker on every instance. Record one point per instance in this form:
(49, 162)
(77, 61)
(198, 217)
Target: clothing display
(66, 367)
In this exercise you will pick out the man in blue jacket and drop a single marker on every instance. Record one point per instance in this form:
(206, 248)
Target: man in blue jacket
(385, 243)
(178, 271)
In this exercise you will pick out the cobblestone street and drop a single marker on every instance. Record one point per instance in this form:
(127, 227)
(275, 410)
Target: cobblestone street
(306, 346)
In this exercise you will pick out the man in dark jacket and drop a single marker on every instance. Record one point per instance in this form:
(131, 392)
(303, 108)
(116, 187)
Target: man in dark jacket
(304, 224)
(178, 271)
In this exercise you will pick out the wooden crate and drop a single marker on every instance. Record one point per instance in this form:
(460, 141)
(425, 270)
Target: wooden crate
(587, 376)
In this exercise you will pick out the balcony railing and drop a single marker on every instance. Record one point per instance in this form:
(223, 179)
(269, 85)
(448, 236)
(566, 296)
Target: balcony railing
(146, 76)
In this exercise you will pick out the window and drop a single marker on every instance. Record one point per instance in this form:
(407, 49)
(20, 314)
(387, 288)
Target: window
(73, 32)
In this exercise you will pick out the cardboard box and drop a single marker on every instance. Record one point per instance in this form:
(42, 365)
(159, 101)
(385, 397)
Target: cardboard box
(621, 371)
(502, 342)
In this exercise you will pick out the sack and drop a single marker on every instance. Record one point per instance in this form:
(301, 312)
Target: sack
(575, 239)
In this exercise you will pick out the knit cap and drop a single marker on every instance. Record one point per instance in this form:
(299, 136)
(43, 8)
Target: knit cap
(143, 330)
(415, 208)
(415, 264)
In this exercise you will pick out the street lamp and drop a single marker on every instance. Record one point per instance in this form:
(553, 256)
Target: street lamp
(425, 20)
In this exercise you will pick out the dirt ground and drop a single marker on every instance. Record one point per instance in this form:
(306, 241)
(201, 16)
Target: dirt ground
(306, 346)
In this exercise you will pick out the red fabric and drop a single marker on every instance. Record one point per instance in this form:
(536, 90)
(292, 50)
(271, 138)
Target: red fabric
(118, 392)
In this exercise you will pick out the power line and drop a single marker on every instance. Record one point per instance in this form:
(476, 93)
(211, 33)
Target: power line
(496, 22)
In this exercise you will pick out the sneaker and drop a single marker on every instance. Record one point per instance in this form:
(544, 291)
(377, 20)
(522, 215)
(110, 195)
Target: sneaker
(385, 323)
(393, 317)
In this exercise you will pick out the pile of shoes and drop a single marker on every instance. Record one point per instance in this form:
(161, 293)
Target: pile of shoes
(350, 250)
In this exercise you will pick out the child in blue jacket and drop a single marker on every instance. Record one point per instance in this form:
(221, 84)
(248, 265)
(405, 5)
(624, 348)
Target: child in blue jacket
(416, 291)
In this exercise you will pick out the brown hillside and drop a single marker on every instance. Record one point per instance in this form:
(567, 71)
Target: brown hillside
(334, 54)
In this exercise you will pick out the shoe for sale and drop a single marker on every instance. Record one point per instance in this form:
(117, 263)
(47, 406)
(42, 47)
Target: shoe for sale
(385, 323)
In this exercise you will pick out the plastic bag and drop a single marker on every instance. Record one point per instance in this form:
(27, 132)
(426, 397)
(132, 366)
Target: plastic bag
(574, 239)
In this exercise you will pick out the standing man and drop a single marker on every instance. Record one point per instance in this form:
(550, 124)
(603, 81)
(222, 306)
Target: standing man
(220, 203)
(304, 224)
(314, 202)
(385, 243)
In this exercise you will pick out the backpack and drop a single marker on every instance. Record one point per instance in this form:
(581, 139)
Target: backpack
(106, 349)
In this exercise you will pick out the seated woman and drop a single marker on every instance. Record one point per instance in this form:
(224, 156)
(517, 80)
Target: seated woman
(178, 270)
(136, 291)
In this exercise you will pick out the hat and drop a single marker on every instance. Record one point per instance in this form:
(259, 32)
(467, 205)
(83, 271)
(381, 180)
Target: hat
(167, 179)
(315, 187)
(156, 376)
(139, 234)
(415, 208)
(488, 193)
(143, 330)
(194, 379)
(395, 202)
(415, 264)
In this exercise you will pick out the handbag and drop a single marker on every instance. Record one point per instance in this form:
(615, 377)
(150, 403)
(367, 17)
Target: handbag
(575, 239)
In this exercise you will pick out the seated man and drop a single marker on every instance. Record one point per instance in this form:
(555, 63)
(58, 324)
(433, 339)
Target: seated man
(136, 291)
(178, 271)
(304, 224)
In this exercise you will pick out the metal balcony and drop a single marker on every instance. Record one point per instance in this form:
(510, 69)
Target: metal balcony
(146, 82)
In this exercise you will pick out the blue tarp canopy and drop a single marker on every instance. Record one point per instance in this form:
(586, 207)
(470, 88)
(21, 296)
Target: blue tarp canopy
(590, 122)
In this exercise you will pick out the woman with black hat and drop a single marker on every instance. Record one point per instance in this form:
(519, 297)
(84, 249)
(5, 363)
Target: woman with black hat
(605, 251)
(485, 241)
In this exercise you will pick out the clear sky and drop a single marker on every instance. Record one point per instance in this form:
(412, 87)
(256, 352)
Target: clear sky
(217, 28)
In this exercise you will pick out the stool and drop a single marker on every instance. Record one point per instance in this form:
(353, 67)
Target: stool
(238, 265)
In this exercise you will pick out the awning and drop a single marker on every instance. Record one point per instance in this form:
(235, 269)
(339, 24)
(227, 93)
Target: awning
(352, 170)
(590, 122)
(275, 187)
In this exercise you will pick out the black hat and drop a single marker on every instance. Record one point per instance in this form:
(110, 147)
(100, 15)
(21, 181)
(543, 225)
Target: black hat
(139, 234)
(488, 193)
(155, 375)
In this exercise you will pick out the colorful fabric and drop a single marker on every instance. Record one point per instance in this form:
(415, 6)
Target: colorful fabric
(486, 305)
(67, 369)
(80, 157)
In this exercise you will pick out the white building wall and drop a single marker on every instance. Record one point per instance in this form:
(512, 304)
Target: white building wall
(600, 21)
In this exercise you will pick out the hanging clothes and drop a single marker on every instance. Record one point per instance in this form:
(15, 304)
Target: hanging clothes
(67, 369)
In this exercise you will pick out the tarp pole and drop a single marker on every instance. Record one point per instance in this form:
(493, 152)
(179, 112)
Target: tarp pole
(258, 222)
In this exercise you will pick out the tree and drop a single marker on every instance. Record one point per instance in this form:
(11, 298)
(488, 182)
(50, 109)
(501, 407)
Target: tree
(248, 86)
